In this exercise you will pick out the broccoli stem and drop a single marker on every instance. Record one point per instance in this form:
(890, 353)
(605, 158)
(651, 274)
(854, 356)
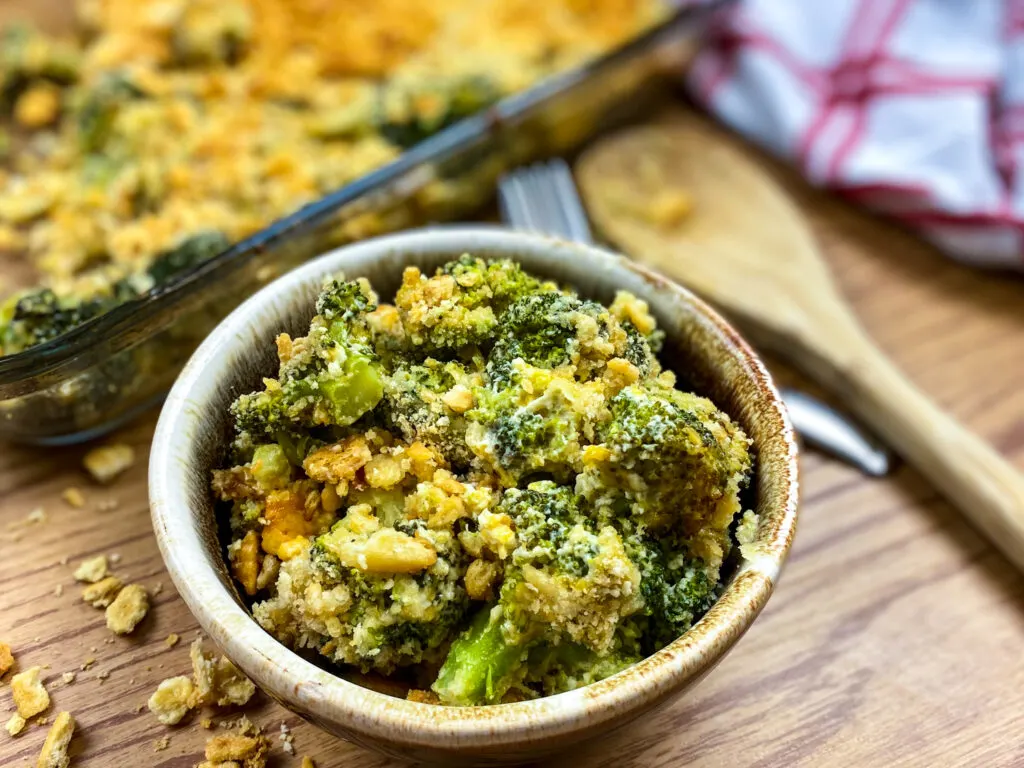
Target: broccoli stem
(481, 665)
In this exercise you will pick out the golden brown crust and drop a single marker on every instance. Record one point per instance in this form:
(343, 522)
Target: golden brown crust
(338, 462)
(245, 563)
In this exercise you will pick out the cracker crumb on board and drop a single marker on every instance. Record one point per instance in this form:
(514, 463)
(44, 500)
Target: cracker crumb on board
(128, 609)
(108, 461)
(236, 749)
(15, 725)
(37, 515)
(92, 569)
(6, 658)
(218, 681)
(172, 700)
(55, 749)
(103, 592)
(171, 640)
(287, 740)
(214, 681)
(73, 497)
(30, 696)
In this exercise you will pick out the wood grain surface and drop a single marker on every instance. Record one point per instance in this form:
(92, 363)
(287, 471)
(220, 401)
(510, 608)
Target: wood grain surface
(894, 637)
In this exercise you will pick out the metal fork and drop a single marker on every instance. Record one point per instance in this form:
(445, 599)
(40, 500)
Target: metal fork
(543, 198)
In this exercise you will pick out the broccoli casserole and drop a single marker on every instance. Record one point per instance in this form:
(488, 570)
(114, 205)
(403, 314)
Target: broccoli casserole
(170, 128)
(490, 486)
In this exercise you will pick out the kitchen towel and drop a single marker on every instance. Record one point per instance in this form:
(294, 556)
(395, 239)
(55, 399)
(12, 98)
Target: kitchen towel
(914, 108)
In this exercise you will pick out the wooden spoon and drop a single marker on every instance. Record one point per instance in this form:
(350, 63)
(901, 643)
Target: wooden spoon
(746, 247)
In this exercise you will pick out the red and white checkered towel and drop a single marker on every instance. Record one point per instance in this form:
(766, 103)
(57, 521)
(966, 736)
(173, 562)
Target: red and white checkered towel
(914, 108)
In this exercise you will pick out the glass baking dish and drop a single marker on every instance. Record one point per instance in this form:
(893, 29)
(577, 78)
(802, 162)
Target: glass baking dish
(103, 372)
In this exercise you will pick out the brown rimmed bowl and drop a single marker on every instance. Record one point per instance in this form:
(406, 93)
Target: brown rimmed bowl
(193, 432)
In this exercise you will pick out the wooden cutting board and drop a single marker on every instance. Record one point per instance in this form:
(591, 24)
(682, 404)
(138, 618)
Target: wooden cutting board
(894, 636)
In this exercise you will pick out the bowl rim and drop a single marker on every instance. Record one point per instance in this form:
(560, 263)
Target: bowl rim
(362, 711)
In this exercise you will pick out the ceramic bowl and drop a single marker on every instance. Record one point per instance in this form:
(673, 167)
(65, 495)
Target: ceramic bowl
(193, 431)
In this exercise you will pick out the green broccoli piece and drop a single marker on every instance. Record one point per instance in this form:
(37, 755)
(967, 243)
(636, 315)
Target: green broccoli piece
(99, 109)
(413, 407)
(332, 378)
(641, 350)
(567, 666)
(270, 466)
(678, 460)
(37, 316)
(542, 330)
(391, 619)
(459, 306)
(566, 582)
(481, 665)
(408, 116)
(188, 254)
(535, 423)
(550, 329)
(677, 590)
(26, 55)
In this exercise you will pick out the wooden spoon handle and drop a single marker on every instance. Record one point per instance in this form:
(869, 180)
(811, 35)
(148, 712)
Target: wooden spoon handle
(971, 474)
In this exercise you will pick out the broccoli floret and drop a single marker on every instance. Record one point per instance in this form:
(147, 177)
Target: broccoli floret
(496, 283)
(459, 306)
(188, 254)
(536, 423)
(408, 116)
(550, 329)
(416, 406)
(481, 665)
(99, 108)
(346, 302)
(567, 666)
(26, 55)
(677, 590)
(542, 330)
(674, 465)
(566, 582)
(375, 597)
(40, 315)
(329, 378)
(641, 350)
(675, 459)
